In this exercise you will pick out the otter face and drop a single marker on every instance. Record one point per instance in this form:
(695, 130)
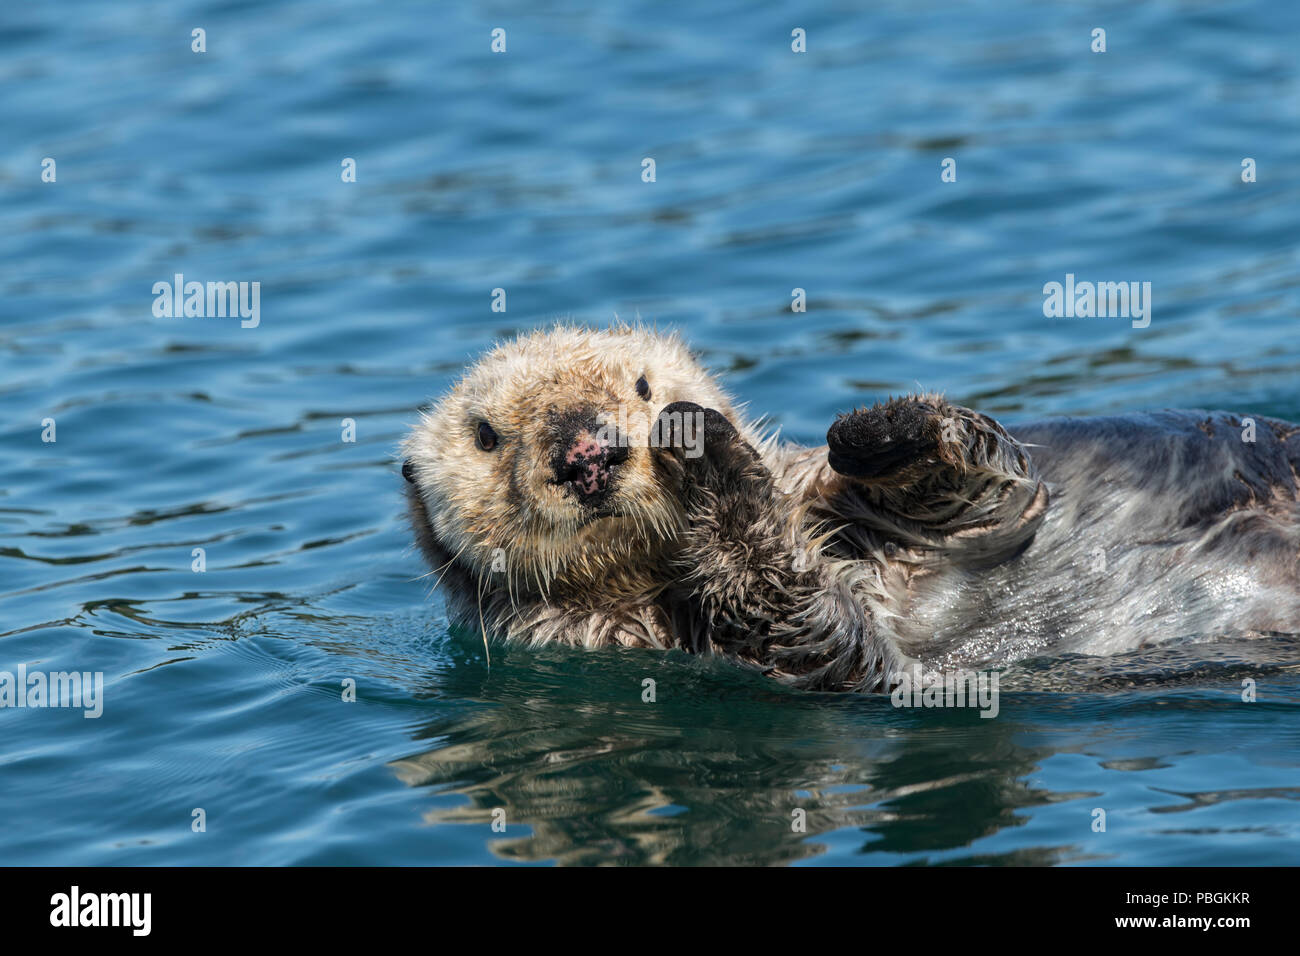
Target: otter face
(536, 463)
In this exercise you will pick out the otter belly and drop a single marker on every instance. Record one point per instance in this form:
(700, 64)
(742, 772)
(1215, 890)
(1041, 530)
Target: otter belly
(1166, 526)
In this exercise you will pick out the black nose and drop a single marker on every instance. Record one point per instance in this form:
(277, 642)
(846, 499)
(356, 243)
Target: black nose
(586, 456)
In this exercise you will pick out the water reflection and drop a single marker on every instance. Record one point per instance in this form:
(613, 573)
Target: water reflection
(715, 769)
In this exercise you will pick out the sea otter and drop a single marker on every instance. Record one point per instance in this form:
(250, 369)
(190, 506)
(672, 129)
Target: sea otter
(598, 487)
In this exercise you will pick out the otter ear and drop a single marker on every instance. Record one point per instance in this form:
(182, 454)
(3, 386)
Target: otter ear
(408, 472)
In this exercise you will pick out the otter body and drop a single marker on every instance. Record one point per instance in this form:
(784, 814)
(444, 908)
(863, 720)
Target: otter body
(598, 488)
(1162, 527)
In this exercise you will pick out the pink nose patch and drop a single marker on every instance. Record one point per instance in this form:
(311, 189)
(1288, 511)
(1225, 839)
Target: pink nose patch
(589, 464)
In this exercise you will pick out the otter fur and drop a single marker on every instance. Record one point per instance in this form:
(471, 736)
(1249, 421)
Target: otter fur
(599, 488)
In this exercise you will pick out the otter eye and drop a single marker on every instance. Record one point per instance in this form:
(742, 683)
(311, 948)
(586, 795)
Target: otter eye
(408, 471)
(643, 388)
(487, 438)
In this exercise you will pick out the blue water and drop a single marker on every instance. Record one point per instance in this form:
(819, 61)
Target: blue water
(522, 171)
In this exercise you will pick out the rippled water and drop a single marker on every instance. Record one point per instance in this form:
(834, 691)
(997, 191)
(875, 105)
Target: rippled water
(522, 171)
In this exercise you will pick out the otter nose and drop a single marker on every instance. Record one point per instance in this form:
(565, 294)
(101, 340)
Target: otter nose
(586, 458)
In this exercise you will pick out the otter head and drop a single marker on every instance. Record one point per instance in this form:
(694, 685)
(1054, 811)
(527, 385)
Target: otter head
(534, 471)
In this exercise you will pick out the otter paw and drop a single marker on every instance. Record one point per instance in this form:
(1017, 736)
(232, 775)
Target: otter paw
(876, 442)
(689, 431)
(701, 441)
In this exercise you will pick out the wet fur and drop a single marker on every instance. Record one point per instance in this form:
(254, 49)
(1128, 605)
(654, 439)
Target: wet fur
(926, 535)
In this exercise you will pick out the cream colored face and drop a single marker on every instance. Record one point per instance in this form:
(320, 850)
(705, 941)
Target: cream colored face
(536, 463)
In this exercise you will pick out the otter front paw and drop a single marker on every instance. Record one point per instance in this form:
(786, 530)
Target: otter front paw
(727, 496)
(882, 441)
(697, 446)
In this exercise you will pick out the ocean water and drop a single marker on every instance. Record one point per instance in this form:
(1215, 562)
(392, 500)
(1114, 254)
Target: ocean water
(223, 694)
